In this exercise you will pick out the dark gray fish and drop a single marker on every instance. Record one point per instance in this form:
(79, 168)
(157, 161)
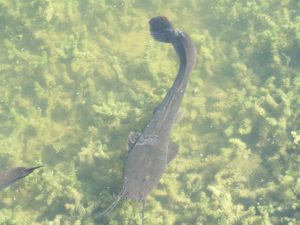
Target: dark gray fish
(149, 152)
(10, 176)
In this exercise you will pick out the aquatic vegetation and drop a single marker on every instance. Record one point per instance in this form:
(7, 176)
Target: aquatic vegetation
(77, 76)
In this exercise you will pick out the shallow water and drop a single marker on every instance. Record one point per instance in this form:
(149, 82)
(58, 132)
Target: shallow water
(77, 76)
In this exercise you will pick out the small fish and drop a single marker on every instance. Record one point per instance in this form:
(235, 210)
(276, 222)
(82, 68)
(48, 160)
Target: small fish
(10, 176)
(149, 152)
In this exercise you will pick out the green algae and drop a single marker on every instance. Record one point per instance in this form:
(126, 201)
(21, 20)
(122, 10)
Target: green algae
(77, 76)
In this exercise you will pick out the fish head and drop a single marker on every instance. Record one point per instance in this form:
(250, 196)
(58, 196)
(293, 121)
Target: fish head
(161, 29)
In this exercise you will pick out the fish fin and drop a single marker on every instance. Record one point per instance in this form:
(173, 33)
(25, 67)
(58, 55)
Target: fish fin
(154, 110)
(143, 210)
(178, 117)
(173, 149)
(132, 138)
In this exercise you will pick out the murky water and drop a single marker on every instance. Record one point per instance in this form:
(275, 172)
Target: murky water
(77, 76)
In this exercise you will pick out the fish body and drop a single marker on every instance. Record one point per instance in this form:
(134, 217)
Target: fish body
(150, 151)
(12, 175)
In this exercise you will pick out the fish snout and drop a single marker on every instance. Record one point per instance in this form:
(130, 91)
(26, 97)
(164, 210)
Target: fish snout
(31, 169)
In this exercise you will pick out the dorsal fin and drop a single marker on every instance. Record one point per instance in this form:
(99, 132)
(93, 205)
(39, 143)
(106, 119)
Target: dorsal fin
(178, 117)
(132, 138)
(173, 149)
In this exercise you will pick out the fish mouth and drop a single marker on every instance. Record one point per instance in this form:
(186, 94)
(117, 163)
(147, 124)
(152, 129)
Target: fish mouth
(31, 169)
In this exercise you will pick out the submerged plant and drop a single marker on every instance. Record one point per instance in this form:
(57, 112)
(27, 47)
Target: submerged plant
(77, 76)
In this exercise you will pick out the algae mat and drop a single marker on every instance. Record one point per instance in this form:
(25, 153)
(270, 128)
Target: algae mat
(77, 76)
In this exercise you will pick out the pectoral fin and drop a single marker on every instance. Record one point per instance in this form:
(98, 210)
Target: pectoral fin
(132, 138)
(173, 149)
